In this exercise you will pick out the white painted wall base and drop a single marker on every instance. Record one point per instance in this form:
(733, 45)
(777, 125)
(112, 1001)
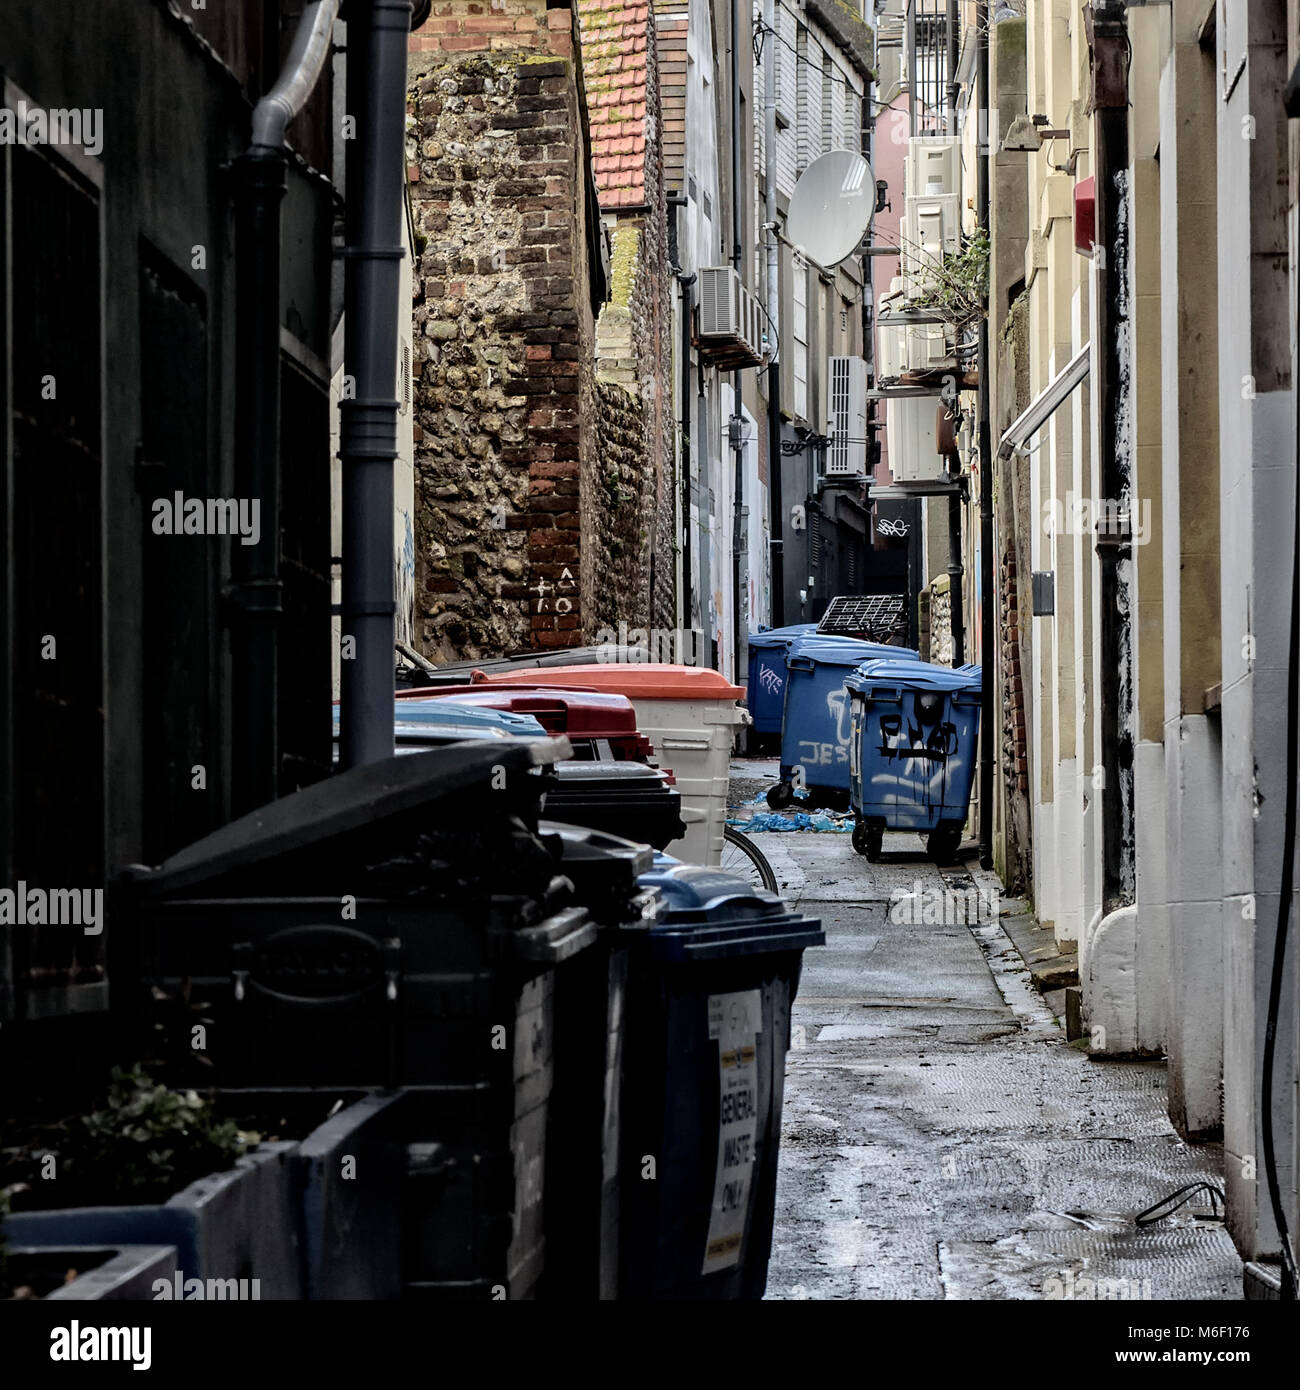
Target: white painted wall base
(1194, 849)
(1069, 863)
(1149, 798)
(1109, 980)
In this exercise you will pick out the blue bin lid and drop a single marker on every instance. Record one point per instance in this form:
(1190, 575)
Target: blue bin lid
(440, 719)
(778, 636)
(846, 651)
(708, 914)
(919, 675)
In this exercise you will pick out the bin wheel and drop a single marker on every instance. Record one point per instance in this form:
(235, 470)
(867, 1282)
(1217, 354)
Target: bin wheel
(780, 796)
(942, 844)
(868, 840)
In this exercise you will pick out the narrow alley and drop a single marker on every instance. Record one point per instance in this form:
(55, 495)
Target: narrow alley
(941, 1139)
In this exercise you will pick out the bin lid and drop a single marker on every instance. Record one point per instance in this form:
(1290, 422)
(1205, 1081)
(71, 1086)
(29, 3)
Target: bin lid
(602, 864)
(635, 777)
(846, 651)
(582, 713)
(778, 636)
(425, 722)
(432, 715)
(650, 680)
(359, 799)
(708, 914)
(457, 672)
(918, 675)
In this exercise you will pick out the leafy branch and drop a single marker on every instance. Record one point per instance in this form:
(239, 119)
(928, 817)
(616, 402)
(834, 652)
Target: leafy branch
(960, 283)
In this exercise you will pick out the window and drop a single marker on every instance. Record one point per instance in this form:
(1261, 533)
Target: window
(828, 97)
(799, 333)
(52, 711)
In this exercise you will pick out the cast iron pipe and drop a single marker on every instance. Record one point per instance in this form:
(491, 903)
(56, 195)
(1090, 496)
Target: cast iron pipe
(368, 417)
(1113, 549)
(988, 645)
(776, 501)
(956, 580)
(260, 181)
(739, 540)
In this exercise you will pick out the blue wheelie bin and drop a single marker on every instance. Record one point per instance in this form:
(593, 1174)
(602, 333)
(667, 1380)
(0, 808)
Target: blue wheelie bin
(912, 753)
(815, 717)
(711, 981)
(766, 692)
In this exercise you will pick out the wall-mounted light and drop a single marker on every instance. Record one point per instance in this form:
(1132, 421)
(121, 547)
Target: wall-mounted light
(1028, 134)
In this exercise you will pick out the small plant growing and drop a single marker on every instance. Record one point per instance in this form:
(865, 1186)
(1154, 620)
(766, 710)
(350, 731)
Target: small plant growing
(961, 283)
(142, 1145)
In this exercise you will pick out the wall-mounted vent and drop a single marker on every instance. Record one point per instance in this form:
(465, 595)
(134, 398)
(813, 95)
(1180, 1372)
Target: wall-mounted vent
(846, 409)
(731, 320)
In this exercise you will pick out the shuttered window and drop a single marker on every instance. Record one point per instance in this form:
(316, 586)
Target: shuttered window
(799, 332)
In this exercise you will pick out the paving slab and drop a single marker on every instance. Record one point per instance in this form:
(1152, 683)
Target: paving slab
(940, 1138)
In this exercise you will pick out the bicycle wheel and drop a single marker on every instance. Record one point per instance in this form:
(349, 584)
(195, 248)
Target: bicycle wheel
(742, 857)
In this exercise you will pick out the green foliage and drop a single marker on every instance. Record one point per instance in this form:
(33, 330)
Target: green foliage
(960, 285)
(143, 1145)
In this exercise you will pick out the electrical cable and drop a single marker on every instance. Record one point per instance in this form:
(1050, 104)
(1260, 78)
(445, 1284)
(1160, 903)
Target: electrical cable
(1289, 1280)
(1157, 1211)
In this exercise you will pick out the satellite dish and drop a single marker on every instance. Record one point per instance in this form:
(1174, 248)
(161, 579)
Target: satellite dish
(832, 206)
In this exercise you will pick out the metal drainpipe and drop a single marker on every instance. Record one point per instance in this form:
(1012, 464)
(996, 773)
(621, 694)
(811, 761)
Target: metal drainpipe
(1113, 550)
(956, 579)
(368, 418)
(988, 647)
(678, 201)
(954, 20)
(956, 504)
(260, 182)
(776, 501)
(739, 515)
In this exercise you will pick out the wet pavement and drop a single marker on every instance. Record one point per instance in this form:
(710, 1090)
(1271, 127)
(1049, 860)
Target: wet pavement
(940, 1138)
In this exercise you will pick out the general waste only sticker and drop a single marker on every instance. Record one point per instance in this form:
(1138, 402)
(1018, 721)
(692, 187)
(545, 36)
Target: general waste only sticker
(735, 1020)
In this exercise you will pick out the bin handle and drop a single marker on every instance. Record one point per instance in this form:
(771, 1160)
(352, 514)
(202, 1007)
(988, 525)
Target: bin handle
(557, 938)
(890, 694)
(798, 663)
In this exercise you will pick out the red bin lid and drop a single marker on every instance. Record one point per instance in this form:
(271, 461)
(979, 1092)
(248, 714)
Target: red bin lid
(647, 680)
(597, 714)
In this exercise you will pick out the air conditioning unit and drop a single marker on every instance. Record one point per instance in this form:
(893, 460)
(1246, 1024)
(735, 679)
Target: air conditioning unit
(933, 166)
(891, 349)
(846, 411)
(931, 230)
(730, 317)
(927, 349)
(912, 438)
(903, 348)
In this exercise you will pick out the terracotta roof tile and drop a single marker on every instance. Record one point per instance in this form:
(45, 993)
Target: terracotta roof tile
(616, 76)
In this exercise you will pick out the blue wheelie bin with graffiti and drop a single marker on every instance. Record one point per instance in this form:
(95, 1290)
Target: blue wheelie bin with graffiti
(815, 717)
(914, 729)
(766, 693)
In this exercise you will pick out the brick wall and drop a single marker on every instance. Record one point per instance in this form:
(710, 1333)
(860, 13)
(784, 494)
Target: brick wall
(940, 625)
(506, 476)
(633, 347)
